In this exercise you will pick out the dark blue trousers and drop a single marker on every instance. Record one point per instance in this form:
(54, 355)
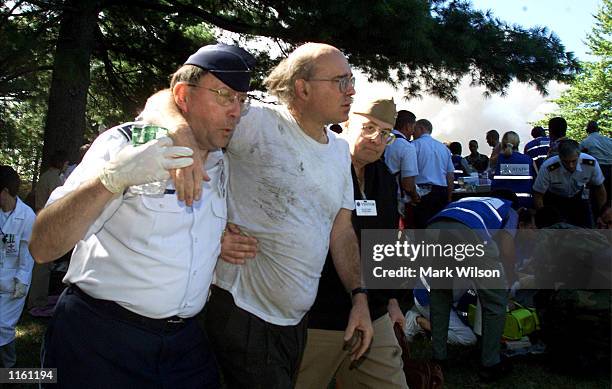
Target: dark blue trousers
(94, 347)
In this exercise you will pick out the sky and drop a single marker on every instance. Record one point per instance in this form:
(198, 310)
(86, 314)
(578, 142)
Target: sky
(473, 115)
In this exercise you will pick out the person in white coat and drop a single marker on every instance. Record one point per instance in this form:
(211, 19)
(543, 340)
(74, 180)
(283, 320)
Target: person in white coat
(16, 221)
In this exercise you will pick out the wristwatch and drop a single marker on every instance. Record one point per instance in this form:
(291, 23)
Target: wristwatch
(359, 290)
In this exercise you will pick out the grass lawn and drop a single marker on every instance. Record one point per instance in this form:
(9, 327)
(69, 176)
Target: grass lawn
(527, 373)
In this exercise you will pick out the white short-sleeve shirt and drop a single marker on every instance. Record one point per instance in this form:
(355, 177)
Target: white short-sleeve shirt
(285, 189)
(554, 177)
(434, 161)
(152, 255)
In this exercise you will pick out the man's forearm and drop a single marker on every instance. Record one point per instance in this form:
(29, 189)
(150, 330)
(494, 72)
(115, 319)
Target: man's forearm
(450, 185)
(163, 111)
(345, 254)
(538, 200)
(62, 224)
(600, 196)
(409, 186)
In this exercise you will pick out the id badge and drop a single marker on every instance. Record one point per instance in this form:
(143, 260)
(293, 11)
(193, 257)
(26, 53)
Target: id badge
(365, 207)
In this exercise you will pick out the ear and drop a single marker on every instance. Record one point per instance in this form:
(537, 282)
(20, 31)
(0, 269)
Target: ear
(180, 92)
(302, 89)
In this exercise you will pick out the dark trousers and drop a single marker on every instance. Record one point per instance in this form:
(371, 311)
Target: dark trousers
(575, 210)
(430, 205)
(252, 353)
(607, 173)
(93, 345)
(492, 294)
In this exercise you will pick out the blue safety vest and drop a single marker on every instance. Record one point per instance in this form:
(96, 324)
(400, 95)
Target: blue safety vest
(481, 214)
(537, 149)
(515, 173)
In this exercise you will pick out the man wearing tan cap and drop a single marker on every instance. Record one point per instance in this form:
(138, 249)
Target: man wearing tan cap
(368, 131)
(290, 188)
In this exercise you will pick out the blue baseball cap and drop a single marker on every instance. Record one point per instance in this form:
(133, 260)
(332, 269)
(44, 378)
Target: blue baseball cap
(230, 64)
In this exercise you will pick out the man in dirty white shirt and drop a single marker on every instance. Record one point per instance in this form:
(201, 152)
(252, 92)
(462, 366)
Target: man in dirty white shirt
(290, 188)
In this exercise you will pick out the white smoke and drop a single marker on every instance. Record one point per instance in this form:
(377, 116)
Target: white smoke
(474, 114)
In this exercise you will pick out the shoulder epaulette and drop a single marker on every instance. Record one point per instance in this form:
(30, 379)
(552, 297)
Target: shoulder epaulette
(589, 162)
(554, 166)
(126, 131)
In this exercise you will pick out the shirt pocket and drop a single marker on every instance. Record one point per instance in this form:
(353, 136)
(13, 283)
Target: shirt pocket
(159, 219)
(219, 207)
(165, 204)
(7, 285)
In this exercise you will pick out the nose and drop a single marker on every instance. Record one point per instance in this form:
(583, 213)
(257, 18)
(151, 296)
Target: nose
(378, 139)
(234, 109)
(351, 90)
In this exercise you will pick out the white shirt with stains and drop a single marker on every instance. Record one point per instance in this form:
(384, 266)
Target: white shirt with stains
(285, 189)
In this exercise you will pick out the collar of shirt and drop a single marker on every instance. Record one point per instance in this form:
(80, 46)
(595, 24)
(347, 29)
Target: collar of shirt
(212, 159)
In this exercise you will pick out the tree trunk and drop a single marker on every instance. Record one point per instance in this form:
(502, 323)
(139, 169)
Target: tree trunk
(68, 94)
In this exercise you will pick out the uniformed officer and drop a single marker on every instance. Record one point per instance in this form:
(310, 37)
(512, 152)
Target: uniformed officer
(537, 148)
(16, 220)
(478, 219)
(435, 179)
(142, 265)
(400, 157)
(562, 183)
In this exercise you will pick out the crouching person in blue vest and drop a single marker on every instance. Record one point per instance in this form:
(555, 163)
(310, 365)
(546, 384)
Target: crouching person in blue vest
(489, 220)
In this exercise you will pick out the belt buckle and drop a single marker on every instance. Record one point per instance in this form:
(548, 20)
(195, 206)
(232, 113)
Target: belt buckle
(175, 321)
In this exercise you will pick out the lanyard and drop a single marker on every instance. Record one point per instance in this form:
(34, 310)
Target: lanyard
(4, 225)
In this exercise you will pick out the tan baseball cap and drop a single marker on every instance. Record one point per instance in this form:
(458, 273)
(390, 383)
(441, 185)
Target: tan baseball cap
(380, 111)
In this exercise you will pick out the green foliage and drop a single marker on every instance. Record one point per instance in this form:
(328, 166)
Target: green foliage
(424, 46)
(27, 38)
(21, 136)
(590, 94)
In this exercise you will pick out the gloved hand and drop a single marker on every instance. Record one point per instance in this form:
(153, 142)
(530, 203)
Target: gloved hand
(20, 289)
(136, 165)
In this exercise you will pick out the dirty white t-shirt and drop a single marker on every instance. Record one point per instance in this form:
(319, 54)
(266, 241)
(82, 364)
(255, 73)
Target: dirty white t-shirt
(285, 189)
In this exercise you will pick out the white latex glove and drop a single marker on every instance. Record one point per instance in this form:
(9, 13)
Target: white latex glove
(20, 289)
(136, 165)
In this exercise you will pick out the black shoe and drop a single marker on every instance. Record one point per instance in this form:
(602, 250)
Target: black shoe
(495, 372)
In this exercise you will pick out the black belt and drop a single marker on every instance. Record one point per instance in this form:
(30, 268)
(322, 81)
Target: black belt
(433, 188)
(170, 324)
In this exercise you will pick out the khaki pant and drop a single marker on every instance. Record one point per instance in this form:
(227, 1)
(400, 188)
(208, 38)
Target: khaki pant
(323, 358)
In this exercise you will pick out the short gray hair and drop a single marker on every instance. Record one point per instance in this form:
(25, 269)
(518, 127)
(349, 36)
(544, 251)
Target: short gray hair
(425, 124)
(300, 64)
(568, 148)
(190, 74)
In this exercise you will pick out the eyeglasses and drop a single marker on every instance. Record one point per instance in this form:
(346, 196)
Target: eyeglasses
(344, 83)
(372, 132)
(226, 98)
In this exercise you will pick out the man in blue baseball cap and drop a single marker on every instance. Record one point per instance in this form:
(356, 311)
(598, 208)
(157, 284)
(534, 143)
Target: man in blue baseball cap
(290, 189)
(142, 265)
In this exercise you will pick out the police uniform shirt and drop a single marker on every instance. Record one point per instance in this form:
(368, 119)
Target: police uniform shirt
(433, 160)
(400, 156)
(558, 180)
(599, 147)
(152, 255)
